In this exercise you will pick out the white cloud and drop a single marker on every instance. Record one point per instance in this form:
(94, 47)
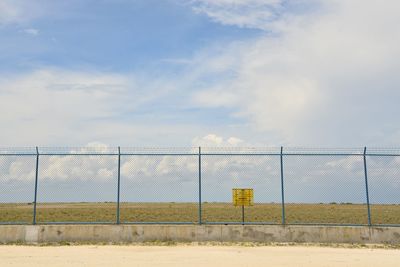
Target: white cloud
(72, 168)
(327, 78)
(73, 107)
(32, 31)
(20, 11)
(213, 140)
(54, 103)
(17, 169)
(8, 12)
(234, 141)
(243, 13)
(78, 168)
(64, 168)
(152, 175)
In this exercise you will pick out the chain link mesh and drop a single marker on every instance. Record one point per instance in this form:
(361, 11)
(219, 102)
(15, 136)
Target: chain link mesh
(220, 174)
(158, 185)
(325, 189)
(77, 188)
(159, 188)
(17, 183)
(384, 189)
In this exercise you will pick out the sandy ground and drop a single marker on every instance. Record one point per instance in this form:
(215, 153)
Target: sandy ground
(209, 256)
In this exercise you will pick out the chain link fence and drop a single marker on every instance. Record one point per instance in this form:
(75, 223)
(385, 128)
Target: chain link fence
(109, 185)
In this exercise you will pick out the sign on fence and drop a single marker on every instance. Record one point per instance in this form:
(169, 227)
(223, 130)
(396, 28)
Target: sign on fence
(243, 196)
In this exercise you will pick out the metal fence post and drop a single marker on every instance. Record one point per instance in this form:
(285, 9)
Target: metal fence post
(119, 185)
(282, 189)
(36, 186)
(366, 185)
(200, 219)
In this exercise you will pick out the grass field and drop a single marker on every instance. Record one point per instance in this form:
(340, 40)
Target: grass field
(188, 212)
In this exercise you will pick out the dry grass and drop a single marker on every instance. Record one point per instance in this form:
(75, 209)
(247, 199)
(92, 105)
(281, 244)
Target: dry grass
(188, 212)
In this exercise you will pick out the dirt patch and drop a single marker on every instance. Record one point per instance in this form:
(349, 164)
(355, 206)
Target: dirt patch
(196, 255)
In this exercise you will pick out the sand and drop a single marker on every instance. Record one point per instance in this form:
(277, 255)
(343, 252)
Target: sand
(184, 255)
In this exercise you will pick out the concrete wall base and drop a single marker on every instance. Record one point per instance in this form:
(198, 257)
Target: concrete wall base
(199, 233)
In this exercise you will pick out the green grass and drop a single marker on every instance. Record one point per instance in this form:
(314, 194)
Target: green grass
(188, 212)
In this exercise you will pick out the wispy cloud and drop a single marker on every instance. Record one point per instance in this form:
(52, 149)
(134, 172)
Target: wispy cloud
(8, 12)
(32, 31)
(243, 13)
(67, 107)
(20, 11)
(58, 101)
(303, 77)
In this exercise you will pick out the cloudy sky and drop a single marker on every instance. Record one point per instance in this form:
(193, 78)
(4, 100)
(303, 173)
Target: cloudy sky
(175, 73)
(209, 72)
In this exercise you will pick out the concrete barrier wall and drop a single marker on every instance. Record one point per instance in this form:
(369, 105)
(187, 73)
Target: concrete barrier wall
(189, 233)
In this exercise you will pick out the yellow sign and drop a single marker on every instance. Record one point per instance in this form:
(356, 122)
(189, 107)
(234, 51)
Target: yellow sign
(243, 196)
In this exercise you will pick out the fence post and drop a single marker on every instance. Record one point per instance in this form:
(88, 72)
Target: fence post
(119, 185)
(200, 219)
(366, 185)
(282, 189)
(36, 186)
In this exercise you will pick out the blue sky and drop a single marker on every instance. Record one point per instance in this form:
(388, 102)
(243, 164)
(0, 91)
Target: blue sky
(121, 36)
(175, 72)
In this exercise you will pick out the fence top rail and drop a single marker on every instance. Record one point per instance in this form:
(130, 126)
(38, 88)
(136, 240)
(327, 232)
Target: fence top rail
(191, 151)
